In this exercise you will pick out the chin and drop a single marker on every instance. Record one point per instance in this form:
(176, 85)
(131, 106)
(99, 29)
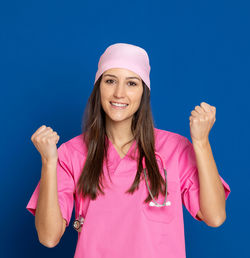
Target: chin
(117, 119)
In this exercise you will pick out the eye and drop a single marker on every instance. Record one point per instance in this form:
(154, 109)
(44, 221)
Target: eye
(109, 80)
(134, 84)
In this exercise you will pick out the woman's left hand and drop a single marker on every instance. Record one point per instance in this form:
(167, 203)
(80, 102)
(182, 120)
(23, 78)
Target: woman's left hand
(201, 121)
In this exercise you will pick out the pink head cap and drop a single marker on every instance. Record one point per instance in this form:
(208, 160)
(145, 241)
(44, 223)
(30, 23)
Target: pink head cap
(128, 56)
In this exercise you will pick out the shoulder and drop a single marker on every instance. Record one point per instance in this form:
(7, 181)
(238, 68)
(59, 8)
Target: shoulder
(172, 139)
(75, 144)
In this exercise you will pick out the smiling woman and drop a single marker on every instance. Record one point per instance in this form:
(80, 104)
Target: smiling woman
(127, 178)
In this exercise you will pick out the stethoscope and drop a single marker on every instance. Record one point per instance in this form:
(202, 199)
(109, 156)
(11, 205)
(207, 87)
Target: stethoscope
(154, 202)
(77, 224)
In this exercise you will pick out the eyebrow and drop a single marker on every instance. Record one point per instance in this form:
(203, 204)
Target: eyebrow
(126, 77)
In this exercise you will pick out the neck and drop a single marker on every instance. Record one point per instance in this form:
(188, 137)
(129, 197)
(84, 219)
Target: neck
(119, 132)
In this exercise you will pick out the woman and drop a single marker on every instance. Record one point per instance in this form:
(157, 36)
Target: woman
(122, 209)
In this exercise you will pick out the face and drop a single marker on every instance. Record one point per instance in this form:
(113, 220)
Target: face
(122, 86)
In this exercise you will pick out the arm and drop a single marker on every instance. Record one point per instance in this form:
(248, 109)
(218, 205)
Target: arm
(49, 222)
(212, 194)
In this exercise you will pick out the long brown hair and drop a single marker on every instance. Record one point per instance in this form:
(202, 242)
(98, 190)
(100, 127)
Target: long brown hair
(95, 138)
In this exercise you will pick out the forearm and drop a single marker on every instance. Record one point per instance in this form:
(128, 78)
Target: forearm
(212, 193)
(48, 218)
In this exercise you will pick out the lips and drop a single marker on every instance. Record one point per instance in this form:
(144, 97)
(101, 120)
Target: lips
(118, 107)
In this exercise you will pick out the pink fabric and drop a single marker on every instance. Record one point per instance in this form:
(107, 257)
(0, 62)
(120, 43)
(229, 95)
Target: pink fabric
(128, 56)
(119, 224)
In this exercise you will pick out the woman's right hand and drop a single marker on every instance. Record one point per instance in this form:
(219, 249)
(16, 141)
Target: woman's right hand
(45, 140)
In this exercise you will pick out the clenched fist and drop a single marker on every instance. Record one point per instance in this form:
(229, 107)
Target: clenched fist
(202, 120)
(45, 140)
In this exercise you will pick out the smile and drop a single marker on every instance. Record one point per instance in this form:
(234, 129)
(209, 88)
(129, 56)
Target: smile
(118, 105)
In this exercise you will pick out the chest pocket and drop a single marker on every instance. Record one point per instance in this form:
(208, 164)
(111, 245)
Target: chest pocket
(164, 214)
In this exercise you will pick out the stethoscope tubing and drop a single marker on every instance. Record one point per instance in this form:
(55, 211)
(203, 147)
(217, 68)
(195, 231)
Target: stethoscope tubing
(154, 202)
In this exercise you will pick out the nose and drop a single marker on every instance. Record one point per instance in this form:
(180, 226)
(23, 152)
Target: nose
(119, 91)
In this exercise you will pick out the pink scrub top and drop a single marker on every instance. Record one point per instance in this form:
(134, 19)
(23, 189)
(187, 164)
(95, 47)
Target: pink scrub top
(121, 225)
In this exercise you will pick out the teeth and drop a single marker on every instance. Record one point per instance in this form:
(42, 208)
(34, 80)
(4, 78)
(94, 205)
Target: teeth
(118, 105)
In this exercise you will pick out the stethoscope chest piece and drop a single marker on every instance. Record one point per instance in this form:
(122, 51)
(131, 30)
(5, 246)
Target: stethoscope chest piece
(77, 225)
(168, 203)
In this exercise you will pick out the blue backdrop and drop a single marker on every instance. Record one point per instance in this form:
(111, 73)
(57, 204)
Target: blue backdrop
(198, 50)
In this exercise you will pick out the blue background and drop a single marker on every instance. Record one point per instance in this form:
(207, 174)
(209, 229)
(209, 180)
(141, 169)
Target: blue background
(198, 50)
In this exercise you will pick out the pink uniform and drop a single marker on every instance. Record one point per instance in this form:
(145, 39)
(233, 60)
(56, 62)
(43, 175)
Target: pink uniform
(121, 225)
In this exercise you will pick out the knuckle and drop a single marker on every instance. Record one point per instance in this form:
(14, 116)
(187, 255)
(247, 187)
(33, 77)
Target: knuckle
(43, 140)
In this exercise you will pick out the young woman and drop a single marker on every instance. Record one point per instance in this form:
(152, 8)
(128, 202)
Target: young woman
(127, 179)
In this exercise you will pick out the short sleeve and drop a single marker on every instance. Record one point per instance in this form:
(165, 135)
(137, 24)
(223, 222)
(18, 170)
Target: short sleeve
(189, 178)
(65, 186)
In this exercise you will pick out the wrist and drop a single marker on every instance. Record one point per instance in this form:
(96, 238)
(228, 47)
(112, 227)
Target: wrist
(201, 143)
(49, 163)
